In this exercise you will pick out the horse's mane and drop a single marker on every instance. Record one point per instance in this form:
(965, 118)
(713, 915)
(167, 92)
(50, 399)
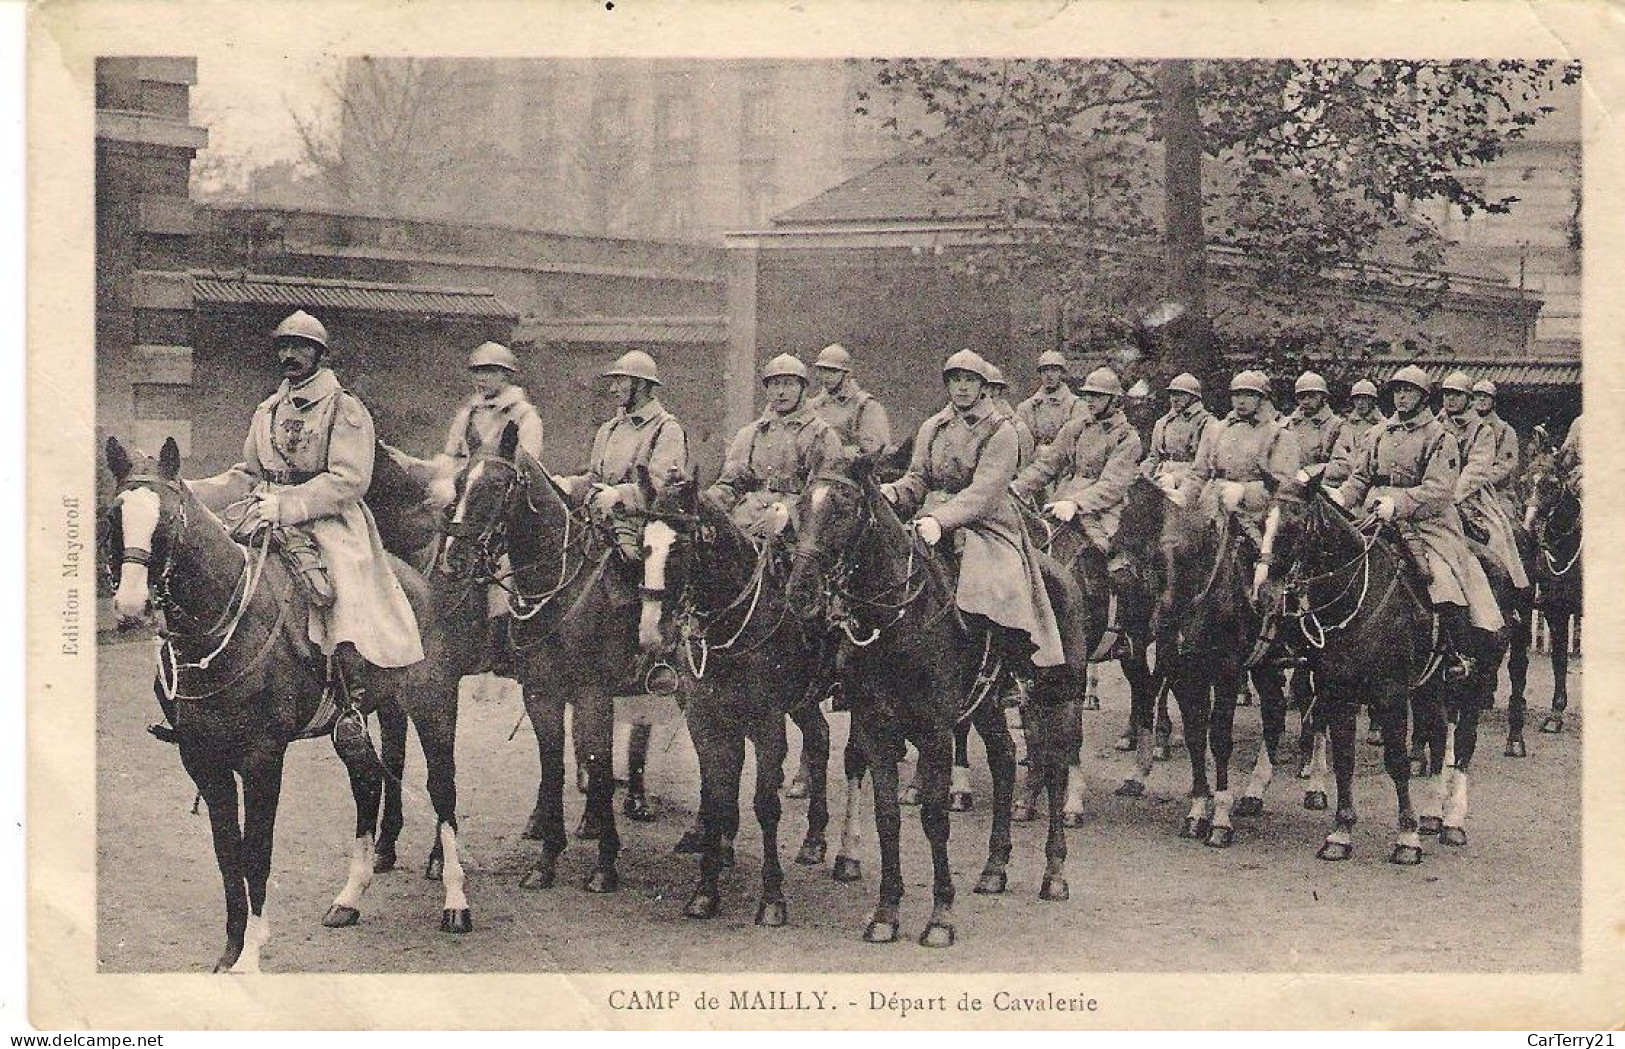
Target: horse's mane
(405, 499)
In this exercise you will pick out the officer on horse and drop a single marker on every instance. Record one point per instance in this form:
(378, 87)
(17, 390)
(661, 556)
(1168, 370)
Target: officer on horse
(1323, 436)
(1504, 469)
(1239, 451)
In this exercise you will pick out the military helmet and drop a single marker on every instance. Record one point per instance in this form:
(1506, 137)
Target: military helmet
(637, 365)
(966, 361)
(834, 356)
(1139, 389)
(1251, 381)
(1185, 382)
(785, 364)
(1310, 382)
(301, 325)
(1484, 386)
(995, 377)
(1457, 382)
(1103, 380)
(1412, 375)
(1052, 359)
(493, 355)
(1363, 388)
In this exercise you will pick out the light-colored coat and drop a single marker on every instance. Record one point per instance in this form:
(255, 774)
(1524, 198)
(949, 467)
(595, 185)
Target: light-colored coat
(1026, 444)
(857, 418)
(1568, 456)
(1475, 497)
(650, 437)
(1045, 413)
(770, 462)
(483, 418)
(1175, 440)
(320, 428)
(1323, 438)
(1243, 451)
(1416, 463)
(1504, 469)
(960, 475)
(1092, 462)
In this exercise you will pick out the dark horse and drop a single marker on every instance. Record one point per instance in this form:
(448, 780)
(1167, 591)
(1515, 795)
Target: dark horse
(1553, 518)
(574, 607)
(714, 604)
(239, 680)
(910, 665)
(1204, 626)
(1350, 598)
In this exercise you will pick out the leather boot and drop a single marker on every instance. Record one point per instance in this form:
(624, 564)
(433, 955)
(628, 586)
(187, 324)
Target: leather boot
(1459, 664)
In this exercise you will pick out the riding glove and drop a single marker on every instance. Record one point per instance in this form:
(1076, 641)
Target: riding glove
(929, 530)
(1062, 509)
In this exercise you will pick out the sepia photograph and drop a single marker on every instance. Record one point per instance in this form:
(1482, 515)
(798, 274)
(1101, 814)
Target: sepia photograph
(916, 513)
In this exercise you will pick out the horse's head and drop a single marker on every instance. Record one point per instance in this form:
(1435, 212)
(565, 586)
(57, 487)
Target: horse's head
(477, 518)
(831, 511)
(1288, 519)
(1553, 497)
(144, 524)
(672, 533)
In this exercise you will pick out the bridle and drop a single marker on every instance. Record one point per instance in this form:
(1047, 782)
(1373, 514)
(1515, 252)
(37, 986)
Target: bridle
(1545, 539)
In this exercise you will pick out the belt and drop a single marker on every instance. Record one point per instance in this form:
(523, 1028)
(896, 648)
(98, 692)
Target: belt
(292, 476)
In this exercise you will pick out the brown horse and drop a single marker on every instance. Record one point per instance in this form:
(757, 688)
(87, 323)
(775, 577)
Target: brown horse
(1553, 518)
(239, 679)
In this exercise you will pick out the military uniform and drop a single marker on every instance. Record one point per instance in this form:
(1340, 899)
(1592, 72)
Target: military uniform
(1045, 412)
(1323, 439)
(857, 418)
(648, 436)
(770, 462)
(1175, 439)
(1474, 496)
(1568, 456)
(1504, 464)
(311, 446)
(480, 420)
(1026, 443)
(1241, 451)
(1091, 463)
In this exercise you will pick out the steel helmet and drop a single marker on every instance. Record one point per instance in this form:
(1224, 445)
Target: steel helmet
(1484, 386)
(1310, 382)
(966, 361)
(1251, 381)
(1457, 382)
(995, 377)
(1185, 382)
(785, 364)
(1413, 376)
(1103, 380)
(637, 365)
(301, 325)
(493, 355)
(1139, 389)
(1052, 359)
(1364, 388)
(834, 356)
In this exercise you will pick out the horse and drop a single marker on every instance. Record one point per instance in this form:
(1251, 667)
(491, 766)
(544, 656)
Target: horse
(574, 631)
(240, 680)
(1349, 596)
(1204, 625)
(912, 666)
(1553, 518)
(713, 602)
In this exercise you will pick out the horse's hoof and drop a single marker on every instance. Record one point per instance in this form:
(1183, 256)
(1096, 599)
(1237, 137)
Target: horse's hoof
(1248, 807)
(690, 844)
(1130, 788)
(1516, 748)
(796, 789)
(534, 830)
(1552, 725)
(1023, 812)
(383, 861)
(880, 932)
(1054, 889)
(1220, 837)
(1125, 743)
(772, 914)
(541, 876)
(961, 801)
(339, 916)
(1314, 800)
(909, 795)
(1405, 855)
(456, 920)
(847, 869)
(1161, 751)
(602, 880)
(1453, 836)
(636, 807)
(701, 905)
(434, 868)
(1192, 828)
(587, 829)
(812, 852)
(1429, 825)
(1335, 851)
(991, 883)
(938, 934)
(1072, 819)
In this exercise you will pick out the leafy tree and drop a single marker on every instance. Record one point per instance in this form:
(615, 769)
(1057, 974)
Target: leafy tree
(1269, 205)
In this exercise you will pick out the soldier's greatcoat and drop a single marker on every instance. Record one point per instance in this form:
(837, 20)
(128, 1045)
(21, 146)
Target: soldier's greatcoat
(1175, 440)
(1323, 438)
(313, 444)
(1504, 466)
(856, 417)
(1474, 495)
(960, 475)
(1092, 462)
(480, 421)
(1045, 412)
(1416, 463)
(1026, 444)
(1243, 451)
(770, 462)
(649, 436)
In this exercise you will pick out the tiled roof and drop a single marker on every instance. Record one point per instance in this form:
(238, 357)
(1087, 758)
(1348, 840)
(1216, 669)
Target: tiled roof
(258, 289)
(912, 187)
(1501, 371)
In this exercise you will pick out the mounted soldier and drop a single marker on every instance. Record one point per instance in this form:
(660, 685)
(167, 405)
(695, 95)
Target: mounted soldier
(1407, 474)
(998, 390)
(1504, 468)
(1323, 436)
(1568, 455)
(1053, 405)
(1238, 451)
(771, 459)
(958, 483)
(1177, 435)
(855, 415)
(307, 463)
(1091, 465)
(1475, 497)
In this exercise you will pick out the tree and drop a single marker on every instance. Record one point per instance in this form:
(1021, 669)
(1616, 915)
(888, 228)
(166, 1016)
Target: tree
(1281, 196)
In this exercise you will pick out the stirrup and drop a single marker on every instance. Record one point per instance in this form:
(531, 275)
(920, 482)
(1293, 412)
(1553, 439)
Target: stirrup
(1459, 667)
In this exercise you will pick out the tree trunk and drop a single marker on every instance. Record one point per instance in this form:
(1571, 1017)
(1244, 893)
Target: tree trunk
(1189, 342)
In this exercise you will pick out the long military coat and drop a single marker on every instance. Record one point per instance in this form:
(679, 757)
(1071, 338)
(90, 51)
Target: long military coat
(1476, 497)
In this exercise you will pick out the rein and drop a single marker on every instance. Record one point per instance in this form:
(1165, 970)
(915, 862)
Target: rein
(1544, 538)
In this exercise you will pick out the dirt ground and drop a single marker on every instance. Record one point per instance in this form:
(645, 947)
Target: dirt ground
(1142, 899)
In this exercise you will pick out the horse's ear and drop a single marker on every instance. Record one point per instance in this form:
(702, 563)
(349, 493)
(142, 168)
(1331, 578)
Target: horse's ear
(509, 442)
(169, 460)
(118, 460)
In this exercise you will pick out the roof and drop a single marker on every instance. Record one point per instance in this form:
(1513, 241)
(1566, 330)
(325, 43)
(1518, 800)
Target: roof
(1501, 371)
(259, 289)
(911, 187)
(702, 329)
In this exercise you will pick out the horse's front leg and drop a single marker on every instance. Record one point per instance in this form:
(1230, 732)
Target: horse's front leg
(1391, 716)
(848, 867)
(1143, 706)
(1221, 736)
(365, 769)
(436, 721)
(594, 725)
(218, 785)
(1001, 762)
(883, 925)
(1193, 692)
(936, 757)
(1518, 678)
(1272, 712)
(720, 746)
(1454, 830)
(814, 772)
(1342, 725)
(1559, 624)
(545, 706)
(392, 724)
(768, 736)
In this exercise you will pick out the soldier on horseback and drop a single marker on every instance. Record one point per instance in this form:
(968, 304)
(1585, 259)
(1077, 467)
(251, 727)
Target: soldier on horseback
(998, 391)
(1239, 451)
(307, 463)
(1323, 435)
(1504, 469)
(1178, 434)
(1407, 474)
(1568, 456)
(1091, 464)
(1053, 405)
(1475, 495)
(856, 416)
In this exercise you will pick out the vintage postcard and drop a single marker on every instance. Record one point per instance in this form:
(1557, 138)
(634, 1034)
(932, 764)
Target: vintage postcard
(923, 515)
